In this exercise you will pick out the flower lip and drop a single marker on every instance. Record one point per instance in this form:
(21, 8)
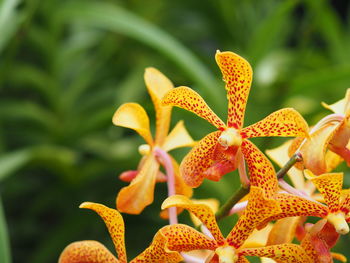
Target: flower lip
(230, 137)
(339, 222)
(226, 254)
(144, 149)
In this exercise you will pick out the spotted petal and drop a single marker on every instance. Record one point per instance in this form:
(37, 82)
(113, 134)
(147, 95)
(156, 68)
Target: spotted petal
(87, 252)
(133, 116)
(237, 74)
(345, 205)
(133, 198)
(190, 100)
(285, 122)
(158, 85)
(178, 138)
(115, 225)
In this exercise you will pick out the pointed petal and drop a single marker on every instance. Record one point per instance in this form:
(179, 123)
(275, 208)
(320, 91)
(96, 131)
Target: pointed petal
(115, 224)
(211, 202)
(203, 212)
(86, 252)
(190, 100)
(199, 159)
(285, 122)
(330, 186)
(283, 230)
(133, 116)
(259, 208)
(339, 257)
(341, 106)
(178, 138)
(261, 171)
(258, 238)
(237, 74)
(158, 85)
(288, 253)
(133, 198)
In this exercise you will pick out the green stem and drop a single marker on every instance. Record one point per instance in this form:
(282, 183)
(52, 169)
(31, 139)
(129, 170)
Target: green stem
(293, 160)
(5, 252)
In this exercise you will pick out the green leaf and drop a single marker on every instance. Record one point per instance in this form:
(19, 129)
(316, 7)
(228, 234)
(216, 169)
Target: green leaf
(12, 161)
(5, 252)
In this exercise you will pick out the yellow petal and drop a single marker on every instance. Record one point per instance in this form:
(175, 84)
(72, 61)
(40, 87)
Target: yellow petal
(332, 160)
(339, 257)
(210, 202)
(133, 116)
(158, 85)
(190, 100)
(201, 211)
(178, 138)
(87, 252)
(115, 224)
(258, 238)
(283, 230)
(345, 201)
(341, 106)
(237, 74)
(133, 198)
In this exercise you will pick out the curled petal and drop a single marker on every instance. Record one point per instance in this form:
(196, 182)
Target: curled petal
(330, 186)
(158, 85)
(237, 74)
(341, 106)
(199, 159)
(190, 100)
(133, 198)
(115, 224)
(133, 116)
(202, 211)
(285, 122)
(178, 138)
(339, 257)
(86, 252)
(283, 230)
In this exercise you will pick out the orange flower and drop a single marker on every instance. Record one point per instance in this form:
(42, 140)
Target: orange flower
(94, 252)
(135, 197)
(221, 151)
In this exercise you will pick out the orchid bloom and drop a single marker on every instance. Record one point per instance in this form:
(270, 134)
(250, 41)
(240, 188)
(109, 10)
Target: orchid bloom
(94, 252)
(333, 133)
(231, 249)
(221, 151)
(138, 194)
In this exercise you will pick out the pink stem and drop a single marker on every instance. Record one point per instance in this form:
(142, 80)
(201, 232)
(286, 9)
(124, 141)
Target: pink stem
(169, 170)
(191, 259)
(238, 207)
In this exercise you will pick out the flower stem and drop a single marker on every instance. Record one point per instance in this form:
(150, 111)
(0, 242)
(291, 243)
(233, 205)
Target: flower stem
(293, 160)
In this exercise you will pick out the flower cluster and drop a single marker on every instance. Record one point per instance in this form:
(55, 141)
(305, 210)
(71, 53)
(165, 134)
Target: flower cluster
(273, 213)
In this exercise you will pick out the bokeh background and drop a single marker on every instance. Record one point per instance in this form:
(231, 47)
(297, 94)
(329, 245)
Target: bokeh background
(65, 67)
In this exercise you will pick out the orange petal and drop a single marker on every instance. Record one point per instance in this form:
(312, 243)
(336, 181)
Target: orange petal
(282, 253)
(199, 159)
(332, 160)
(339, 257)
(283, 230)
(133, 116)
(210, 202)
(242, 260)
(133, 198)
(115, 224)
(158, 85)
(285, 122)
(237, 74)
(341, 106)
(86, 252)
(202, 211)
(190, 100)
(261, 171)
(258, 238)
(178, 138)
(330, 186)
(345, 205)
(259, 208)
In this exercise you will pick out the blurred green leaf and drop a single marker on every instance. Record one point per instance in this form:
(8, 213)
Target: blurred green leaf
(5, 253)
(12, 161)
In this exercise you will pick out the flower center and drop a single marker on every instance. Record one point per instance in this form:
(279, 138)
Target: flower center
(227, 254)
(339, 222)
(230, 137)
(144, 149)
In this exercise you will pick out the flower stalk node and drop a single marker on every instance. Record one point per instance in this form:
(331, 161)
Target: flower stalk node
(226, 254)
(144, 149)
(230, 137)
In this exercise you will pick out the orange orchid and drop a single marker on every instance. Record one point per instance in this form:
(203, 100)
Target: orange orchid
(94, 252)
(134, 198)
(222, 151)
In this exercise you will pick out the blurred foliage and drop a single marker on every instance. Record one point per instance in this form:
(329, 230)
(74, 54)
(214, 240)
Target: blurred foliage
(65, 66)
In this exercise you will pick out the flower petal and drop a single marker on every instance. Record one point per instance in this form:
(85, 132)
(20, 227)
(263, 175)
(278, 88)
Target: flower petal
(203, 212)
(341, 106)
(339, 257)
(258, 238)
(281, 253)
(345, 205)
(158, 85)
(190, 100)
(115, 224)
(237, 74)
(178, 138)
(199, 159)
(285, 122)
(261, 171)
(283, 230)
(133, 116)
(259, 208)
(86, 252)
(210, 202)
(133, 198)
(330, 186)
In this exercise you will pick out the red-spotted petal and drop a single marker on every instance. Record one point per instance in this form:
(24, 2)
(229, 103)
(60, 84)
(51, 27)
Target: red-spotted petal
(115, 224)
(237, 74)
(190, 100)
(345, 205)
(133, 198)
(285, 122)
(87, 252)
(202, 211)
